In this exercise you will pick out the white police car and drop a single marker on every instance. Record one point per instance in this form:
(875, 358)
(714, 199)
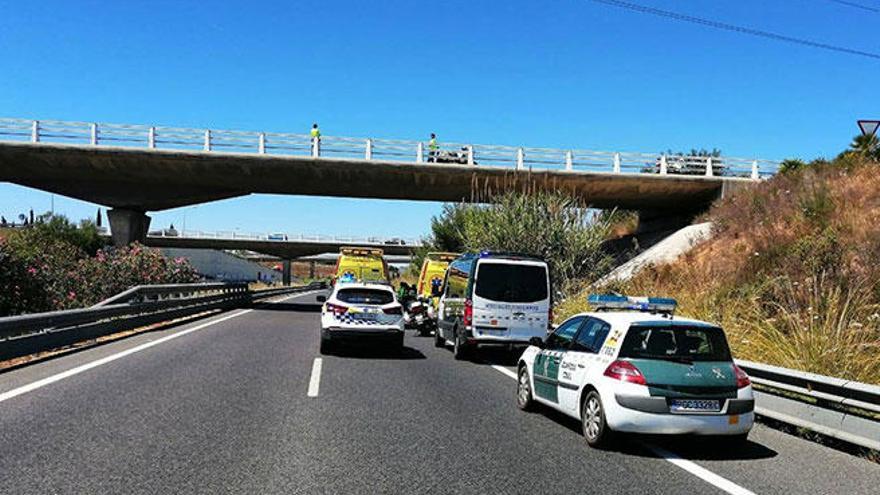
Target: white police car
(631, 366)
(361, 311)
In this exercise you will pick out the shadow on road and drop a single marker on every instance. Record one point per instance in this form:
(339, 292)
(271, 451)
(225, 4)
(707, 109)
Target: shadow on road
(355, 351)
(496, 355)
(285, 306)
(691, 447)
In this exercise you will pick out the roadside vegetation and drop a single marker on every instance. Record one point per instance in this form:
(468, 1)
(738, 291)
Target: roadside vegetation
(553, 225)
(792, 271)
(53, 264)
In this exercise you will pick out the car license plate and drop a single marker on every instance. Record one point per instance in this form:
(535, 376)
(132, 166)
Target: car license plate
(694, 405)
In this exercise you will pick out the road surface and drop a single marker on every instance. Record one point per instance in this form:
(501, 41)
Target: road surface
(242, 402)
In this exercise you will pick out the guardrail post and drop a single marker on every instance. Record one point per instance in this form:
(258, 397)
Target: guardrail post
(151, 138)
(520, 158)
(663, 165)
(755, 174)
(420, 152)
(208, 140)
(35, 131)
(368, 150)
(569, 160)
(316, 147)
(470, 154)
(262, 144)
(94, 134)
(616, 168)
(709, 166)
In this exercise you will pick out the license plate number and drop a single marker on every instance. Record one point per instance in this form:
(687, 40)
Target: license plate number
(694, 405)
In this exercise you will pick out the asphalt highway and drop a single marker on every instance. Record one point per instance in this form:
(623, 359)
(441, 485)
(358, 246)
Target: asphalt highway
(237, 403)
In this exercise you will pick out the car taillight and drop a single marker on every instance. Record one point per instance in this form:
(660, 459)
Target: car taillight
(742, 379)
(625, 372)
(336, 309)
(396, 310)
(468, 312)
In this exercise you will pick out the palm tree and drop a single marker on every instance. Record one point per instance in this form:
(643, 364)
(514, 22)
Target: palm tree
(867, 146)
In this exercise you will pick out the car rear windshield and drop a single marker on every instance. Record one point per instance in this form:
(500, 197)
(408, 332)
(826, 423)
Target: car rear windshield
(365, 296)
(513, 283)
(676, 343)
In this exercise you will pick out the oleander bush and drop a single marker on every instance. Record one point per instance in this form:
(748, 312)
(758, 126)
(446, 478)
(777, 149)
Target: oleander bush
(44, 272)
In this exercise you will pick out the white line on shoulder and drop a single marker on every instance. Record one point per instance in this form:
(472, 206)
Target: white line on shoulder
(505, 371)
(113, 357)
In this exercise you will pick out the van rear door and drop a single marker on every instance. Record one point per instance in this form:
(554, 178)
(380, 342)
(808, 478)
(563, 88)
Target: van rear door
(511, 299)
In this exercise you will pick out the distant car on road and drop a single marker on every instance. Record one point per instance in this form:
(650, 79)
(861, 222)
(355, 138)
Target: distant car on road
(277, 237)
(633, 367)
(395, 242)
(364, 312)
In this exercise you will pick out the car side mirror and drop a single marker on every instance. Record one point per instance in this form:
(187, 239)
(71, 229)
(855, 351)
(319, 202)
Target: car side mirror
(321, 299)
(537, 342)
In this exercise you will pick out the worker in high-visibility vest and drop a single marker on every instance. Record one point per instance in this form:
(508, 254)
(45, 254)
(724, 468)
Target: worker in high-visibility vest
(432, 148)
(316, 139)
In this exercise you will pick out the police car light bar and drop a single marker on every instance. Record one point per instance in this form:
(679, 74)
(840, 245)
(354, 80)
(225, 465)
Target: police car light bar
(606, 302)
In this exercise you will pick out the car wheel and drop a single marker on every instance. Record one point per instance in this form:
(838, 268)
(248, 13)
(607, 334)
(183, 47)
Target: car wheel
(439, 341)
(326, 346)
(459, 350)
(596, 430)
(524, 398)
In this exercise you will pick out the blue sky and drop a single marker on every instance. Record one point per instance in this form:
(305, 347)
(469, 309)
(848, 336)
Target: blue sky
(560, 73)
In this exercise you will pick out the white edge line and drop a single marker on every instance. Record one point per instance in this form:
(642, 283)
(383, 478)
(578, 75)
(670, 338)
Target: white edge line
(108, 359)
(689, 466)
(315, 380)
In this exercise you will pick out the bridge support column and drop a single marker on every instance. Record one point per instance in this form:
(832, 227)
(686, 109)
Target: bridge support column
(285, 272)
(312, 269)
(127, 226)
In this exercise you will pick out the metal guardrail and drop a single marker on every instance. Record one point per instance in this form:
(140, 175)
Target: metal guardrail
(841, 409)
(283, 237)
(266, 143)
(139, 306)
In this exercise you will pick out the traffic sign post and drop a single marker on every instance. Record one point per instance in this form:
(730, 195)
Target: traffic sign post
(869, 127)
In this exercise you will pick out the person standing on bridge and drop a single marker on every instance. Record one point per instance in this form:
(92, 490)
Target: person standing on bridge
(432, 148)
(316, 139)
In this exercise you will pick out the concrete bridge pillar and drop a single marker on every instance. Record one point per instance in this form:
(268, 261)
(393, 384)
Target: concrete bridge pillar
(312, 269)
(127, 226)
(285, 272)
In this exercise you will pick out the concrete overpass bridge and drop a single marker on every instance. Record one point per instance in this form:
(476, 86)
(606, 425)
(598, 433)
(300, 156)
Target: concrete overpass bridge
(135, 169)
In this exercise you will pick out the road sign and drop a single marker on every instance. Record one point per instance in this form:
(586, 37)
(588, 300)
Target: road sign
(869, 127)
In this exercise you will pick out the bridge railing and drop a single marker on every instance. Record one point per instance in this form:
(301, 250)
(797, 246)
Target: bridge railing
(481, 155)
(284, 237)
(134, 308)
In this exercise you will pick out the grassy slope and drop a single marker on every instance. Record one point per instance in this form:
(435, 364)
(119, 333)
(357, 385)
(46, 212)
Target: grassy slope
(792, 272)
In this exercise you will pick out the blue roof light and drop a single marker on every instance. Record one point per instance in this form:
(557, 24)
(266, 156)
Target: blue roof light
(606, 302)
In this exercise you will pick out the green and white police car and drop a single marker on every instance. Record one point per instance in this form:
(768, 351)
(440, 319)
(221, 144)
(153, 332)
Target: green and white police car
(632, 366)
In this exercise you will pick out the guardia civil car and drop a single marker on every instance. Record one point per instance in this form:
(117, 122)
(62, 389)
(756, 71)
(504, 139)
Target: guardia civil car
(361, 312)
(632, 366)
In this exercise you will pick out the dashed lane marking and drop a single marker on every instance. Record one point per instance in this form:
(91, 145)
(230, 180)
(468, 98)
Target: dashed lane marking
(315, 380)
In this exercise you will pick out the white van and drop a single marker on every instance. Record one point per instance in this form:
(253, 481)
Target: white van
(493, 299)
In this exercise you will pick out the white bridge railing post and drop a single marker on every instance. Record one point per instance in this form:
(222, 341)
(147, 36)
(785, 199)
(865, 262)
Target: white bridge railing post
(151, 138)
(316, 147)
(420, 152)
(662, 164)
(470, 154)
(93, 134)
(261, 146)
(368, 150)
(35, 131)
(755, 173)
(616, 168)
(569, 160)
(709, 172)
(208, 140)
(520, 159)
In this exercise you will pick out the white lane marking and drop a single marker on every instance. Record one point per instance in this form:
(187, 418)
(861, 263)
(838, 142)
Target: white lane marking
(695, 469)
(113, 357)
(504, 371)
(700, 472)
(315, 381)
